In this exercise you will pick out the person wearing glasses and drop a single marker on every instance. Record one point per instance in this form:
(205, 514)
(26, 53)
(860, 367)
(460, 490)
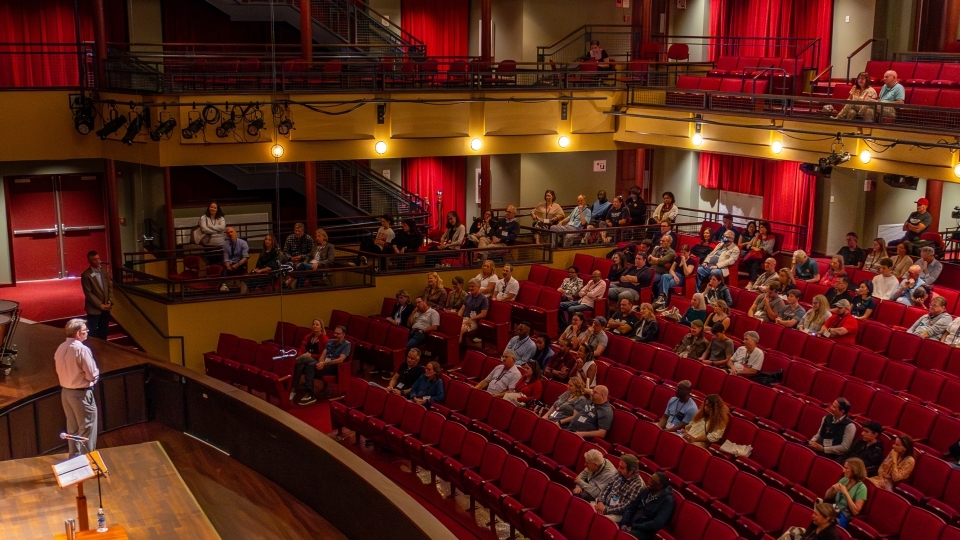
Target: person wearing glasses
(336, 352)
(78, 373)
(407, 374)
(503, 378)
(429, 387)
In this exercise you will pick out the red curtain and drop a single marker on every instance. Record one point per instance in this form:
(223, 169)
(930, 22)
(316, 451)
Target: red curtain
(788, 195)
(773, 18)
(442, 25)
(426, 176)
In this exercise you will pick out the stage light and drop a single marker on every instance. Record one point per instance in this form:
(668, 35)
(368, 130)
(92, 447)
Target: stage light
(192, 129)
(956, 170)
(476, 144)
(83, 116)
(865, 156)
(276, 151)
(133, 130)
(563, 141)
(697, 136)
(254, 127)
(380, 147)
(285, 126)
(111, 127)
(226, 128)
(777, 147)
(163, 129)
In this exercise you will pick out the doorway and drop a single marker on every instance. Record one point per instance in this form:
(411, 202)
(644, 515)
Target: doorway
(54, 221)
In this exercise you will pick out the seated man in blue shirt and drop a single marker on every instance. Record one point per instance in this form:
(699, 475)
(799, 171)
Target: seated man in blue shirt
(522, 343)
(600, 208)
(578, 220)
(336, 352)
(891, 92)
(680, 409)
(235, 253)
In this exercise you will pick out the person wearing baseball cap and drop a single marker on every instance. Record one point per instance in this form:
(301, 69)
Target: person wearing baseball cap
(841, 326)
(916, 224)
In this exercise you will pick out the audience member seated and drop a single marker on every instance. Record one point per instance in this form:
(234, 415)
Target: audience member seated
(429, 387)
(840, 291)
(503, 378)
(935, 323)
(666, 230)
(769, 275)
(566, 405)
(898, 465)
(575, 333)
(407, 374)
(578, 220)
(861, 91)
(454, 234)
(586, 298)
(598, 55)
(917, 222)
(600, 209)
(423, 320)
(955, 451)
(709, 424)
(748, 359)
(547, 213)
(719, 261)
(636, 206)
(235, 254)
(850, 493)
(767, 306)
(507, 230)
(488, 279)
(705, 246)
(834, 271)
(308, 353)
(921, 297)
(891, 92)
(662, 257)
(720, 350)
(667, 209)
(841, 327)
(721, 233)
(680, 409)
(595, 477)
(717, 290)
(885, 283)
(871, 262)
(585, 367)
(930, 268)
(792, 313)
(434, 294)
(952, 335)
(474, 308)
(619, 266)
(785, 277)
(212, 227)
(681, 269)
(297, 247)
(696, 312)
(544, 351)
(530, 387)
(623, 321)
(456, 297)
(910, 283)
(507, 288)
(621, 491)
(522, 344)
(481, 230)
(571, 285)
(647, 329)
(902, 261)
(805, 268)
(268, 261)
(651, 510)
(593, 418)
(852, 254)
(632, 280)
(381, 242)
(693, 345)
(720, 315)
(322, 255)
(863, 305)
(868, 449)
(759, 250)
(408, 239)
(617, 216)
(836, 433)
(336, 352)
(747, 236)
(400, 316)
(562, 364)
(823, 525)
(813, 320)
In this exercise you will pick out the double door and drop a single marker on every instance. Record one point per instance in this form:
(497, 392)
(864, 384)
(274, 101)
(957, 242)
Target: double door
(54, 221)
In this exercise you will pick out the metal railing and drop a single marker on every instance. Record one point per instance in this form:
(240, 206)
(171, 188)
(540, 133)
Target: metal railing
(368, 190)
(46, 65)
(876, 53)
(617, 40)
(429, 257)
(790, 236)
(924, 56)
(356, 22)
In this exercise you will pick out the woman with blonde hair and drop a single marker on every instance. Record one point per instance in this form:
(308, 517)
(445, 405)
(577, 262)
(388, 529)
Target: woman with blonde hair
(434, 294)
(308, 352)
(816, 315)
(697, 310)
(721, 314)
(488, 278)
(709, 424)
(850, 493)
(875, 255)
(786, 279)
(563, 409)
(902, 261)
(823, 525)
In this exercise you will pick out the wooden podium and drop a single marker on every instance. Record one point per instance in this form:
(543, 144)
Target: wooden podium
(75, 471)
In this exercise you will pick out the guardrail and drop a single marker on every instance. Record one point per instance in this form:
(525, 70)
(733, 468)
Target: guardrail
(46, 65)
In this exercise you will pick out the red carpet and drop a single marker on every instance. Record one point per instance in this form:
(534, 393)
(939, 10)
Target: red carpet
(47, 300)
(316, 415)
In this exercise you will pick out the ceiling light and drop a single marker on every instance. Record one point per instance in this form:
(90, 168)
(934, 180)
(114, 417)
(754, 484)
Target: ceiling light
(111, 127)
(163, 129)
(192, 129)
(956, 170)
(777, 147)
(285, 126)
(226, 128)
(563, 141)
(697, 137)
(865, 156)
(380, 147)
(476, 144)
(276, 151)
(255, 127)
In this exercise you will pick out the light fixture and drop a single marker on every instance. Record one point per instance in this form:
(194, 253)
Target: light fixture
(956, 170)
(476, 144)
(194, 127)
(285, 126)
(111, 127)
(83, 116)
(139, 121)
(255, 127)
(697, 136)
(865, 156)
(163, 129)
(777, 147)
(276, 151)
(563, 141)
(380, 147)
(226, 128)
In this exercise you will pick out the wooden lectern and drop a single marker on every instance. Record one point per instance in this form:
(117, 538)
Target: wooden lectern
(76, 471)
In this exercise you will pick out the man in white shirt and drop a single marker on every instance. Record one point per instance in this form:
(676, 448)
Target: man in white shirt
(78, 373)
(522, 344)
(885, 282)
(504, 377)
(507, 288)
(424, 319)
(748, 359)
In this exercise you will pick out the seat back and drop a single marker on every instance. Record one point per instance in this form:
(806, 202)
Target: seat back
(746, 493)
(227, 345)
(246, 352)
(357, 328)
(678, 51)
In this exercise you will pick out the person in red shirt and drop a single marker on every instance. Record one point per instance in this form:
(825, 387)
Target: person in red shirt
(841, 326)
(530, 387)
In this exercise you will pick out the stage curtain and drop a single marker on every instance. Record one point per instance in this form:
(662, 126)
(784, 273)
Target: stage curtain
(731, 173)
(772, 18)
(426, 175)
(442, 25)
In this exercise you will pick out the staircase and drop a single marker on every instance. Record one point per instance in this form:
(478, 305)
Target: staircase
(115, 333)
(616, 39)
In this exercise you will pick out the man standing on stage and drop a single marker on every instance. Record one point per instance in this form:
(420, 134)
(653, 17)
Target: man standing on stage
(98, 296)
(78, 373)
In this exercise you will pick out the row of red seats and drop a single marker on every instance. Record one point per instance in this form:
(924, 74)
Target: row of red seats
(750, 66)
(927, 97)
(916, 73)
(732, 85)
(244, 363)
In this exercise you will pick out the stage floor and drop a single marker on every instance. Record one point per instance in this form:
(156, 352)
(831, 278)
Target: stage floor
(145, 494)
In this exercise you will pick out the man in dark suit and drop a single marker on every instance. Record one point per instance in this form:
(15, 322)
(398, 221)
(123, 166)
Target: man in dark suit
(98, 296)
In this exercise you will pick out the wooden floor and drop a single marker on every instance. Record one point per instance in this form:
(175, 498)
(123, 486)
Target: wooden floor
(145, 494)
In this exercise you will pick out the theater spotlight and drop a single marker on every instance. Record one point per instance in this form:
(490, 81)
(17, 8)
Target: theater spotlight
(163, 130)
(380, 147)
(192, 129)
(111, 127)
(139, 121)
(83, 116)
(255, 127)
(285, 127)
(226, 128)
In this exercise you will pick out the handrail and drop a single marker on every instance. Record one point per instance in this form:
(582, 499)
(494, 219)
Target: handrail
(828, 69)
(860, 48)
(183, 354)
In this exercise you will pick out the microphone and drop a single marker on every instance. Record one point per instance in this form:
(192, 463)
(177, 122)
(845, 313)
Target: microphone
(69, 437)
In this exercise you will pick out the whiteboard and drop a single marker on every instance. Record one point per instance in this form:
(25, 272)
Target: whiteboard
(741, 204)
(890, 231)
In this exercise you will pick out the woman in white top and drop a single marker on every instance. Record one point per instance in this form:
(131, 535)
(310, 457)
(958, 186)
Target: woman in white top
(951, 336)
(212, 224)
(488, 278)
(453, 237)
(665, 210)
(710, 423)
(586, 368)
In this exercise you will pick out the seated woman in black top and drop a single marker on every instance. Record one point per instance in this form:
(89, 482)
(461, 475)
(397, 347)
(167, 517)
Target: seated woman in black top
(401, 310)
(269, 260)
(824, 524)
(408, 238)
(618, 268)
(704, 248)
